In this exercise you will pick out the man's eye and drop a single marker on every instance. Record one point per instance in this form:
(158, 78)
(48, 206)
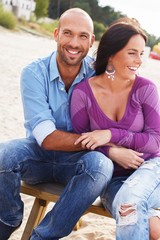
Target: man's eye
(84, 37)
(67, 33)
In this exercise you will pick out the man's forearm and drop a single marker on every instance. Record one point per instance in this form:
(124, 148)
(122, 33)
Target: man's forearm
(61, 141)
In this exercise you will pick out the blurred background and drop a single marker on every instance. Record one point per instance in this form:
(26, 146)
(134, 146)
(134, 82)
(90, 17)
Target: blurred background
(41, 16)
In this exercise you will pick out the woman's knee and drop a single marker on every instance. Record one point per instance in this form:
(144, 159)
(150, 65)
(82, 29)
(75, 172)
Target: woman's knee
(127, 210)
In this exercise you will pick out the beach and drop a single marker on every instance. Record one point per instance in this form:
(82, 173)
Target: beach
(18, 49)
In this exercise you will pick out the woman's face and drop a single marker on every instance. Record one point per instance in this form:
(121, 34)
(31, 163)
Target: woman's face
(128, 60)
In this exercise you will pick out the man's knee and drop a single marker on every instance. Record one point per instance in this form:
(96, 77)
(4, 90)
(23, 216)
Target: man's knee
(4, 157)
(10, 153)
(96, 164)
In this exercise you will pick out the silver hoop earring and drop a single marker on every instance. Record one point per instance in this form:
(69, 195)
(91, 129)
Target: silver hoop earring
(110, 71)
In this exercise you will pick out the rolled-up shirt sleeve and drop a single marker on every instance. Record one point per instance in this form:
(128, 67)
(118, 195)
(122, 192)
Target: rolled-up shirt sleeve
(47, 126)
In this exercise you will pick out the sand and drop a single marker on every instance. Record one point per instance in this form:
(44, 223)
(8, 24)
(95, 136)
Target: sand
(17, 49)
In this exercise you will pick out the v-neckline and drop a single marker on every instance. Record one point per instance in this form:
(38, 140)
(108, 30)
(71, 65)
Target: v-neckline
(101, 111)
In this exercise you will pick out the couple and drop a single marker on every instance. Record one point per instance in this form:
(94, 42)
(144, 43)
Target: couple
(113, 111)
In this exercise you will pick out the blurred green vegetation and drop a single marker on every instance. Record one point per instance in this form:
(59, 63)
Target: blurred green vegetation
(7, 19)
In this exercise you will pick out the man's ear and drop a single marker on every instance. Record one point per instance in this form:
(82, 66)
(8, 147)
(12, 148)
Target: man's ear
(55, 34)
(92, 40)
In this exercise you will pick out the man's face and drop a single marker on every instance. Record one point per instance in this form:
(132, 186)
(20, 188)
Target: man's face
(74, 37)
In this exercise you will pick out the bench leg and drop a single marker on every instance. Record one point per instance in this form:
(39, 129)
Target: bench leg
(78, 225)
(36, 215)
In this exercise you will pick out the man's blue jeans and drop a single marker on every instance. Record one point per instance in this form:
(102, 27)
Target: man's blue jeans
(141, 191)
(86, 174)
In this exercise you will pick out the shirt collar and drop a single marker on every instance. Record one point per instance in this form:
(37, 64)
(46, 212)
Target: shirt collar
(85, 68)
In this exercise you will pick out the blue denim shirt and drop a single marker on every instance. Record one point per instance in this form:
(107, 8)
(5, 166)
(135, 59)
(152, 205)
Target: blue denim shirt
(45, 100)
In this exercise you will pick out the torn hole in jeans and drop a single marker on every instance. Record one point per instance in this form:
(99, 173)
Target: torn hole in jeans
(127, 214)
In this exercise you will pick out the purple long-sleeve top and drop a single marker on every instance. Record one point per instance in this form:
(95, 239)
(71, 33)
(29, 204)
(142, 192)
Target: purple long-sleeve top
(139, 128)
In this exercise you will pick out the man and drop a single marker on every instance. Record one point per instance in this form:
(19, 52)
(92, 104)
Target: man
(48, 153)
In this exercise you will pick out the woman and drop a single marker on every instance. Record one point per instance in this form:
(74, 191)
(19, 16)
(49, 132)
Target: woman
(117, 109)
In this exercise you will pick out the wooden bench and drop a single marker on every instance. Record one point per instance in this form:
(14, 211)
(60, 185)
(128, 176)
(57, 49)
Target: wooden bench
(44, 194)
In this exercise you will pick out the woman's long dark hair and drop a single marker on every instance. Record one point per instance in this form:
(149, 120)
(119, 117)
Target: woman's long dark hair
(113, 40)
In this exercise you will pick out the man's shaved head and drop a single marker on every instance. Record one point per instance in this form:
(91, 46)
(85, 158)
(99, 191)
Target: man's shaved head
(77, 12)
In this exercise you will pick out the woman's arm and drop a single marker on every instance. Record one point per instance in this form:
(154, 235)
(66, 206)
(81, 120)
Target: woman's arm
(79, 113)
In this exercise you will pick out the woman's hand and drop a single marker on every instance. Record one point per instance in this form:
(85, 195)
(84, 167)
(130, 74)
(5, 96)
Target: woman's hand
(127, 158)
(92, 140)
